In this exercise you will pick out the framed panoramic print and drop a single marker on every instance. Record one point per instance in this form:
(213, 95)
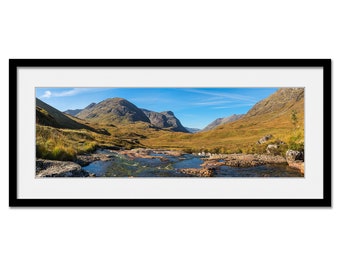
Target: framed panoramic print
(170, 132)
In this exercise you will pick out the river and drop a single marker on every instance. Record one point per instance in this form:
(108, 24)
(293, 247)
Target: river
(163, 165)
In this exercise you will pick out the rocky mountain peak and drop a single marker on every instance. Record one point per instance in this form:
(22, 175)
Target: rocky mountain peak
(277, 101)
(113, 110)
(165, 119)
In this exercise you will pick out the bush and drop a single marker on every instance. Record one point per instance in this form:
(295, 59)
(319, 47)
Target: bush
(296, 143)
(297, 146)
(63, 153)
(56, 153)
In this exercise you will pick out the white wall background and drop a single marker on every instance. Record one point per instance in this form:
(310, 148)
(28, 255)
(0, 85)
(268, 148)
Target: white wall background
(168, 238)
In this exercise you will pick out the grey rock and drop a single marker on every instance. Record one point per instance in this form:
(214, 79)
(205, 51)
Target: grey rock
(264, 139)
(271, 148)
(54, 168)
(293, 155)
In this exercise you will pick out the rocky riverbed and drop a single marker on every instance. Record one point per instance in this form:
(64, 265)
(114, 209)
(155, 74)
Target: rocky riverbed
(149, 162)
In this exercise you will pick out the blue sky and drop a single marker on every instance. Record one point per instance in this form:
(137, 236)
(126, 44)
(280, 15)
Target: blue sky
(194, 107)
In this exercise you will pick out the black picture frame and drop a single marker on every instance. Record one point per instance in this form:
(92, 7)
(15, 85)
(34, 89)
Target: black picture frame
(14, 64)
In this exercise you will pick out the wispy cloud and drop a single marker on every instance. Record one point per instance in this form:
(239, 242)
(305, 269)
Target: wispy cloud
(72, 92)
(223, 95)
(211, 102)
(47, 94)
(233, 106)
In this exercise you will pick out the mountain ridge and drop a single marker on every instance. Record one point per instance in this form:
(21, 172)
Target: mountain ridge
(121, 111)
(166, 119)
(221, 121)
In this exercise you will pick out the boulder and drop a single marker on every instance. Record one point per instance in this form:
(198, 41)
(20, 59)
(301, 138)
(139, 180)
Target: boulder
(264, 139)
(272, 148)
(54, 168)
(295, 159)
(293, 155)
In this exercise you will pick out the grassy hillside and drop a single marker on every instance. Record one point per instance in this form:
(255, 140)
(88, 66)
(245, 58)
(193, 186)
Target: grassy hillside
(270, 116)
(46, 115)
(49, 116)
(65, 144)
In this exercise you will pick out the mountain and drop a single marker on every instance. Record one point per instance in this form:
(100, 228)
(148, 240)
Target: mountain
(76, 111)
(165, 119)
(121, 111)
(48, 116)
(113, 110)
(73, 112)
(220, 121)
(192, 130)
(272, 115)
(89, 106)
(279, 102)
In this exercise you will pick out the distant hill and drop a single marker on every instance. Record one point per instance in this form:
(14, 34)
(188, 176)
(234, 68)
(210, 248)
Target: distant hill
(76, 111)
(113, 110)
(165, 119)
(192, 130)
(73, 112)
(220, 121)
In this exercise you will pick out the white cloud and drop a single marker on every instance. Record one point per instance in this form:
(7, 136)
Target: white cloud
(47, 94)
(76, 91)
(72, 92)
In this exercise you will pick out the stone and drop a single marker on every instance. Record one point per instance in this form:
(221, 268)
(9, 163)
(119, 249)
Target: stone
(264, 139)
(293, 155)
(55, 168)
(272, 149)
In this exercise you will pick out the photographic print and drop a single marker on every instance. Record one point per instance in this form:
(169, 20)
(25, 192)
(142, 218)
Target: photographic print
(170, 132)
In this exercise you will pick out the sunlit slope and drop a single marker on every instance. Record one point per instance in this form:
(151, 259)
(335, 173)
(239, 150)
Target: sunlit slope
(48, 116)
(272, 115)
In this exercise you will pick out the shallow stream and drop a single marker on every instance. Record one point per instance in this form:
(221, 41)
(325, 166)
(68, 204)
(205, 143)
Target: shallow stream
(163, 165)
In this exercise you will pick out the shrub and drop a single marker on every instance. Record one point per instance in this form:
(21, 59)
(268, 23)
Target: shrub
(56, 153)
(239, 151)
(63, 153)
(296, 142)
